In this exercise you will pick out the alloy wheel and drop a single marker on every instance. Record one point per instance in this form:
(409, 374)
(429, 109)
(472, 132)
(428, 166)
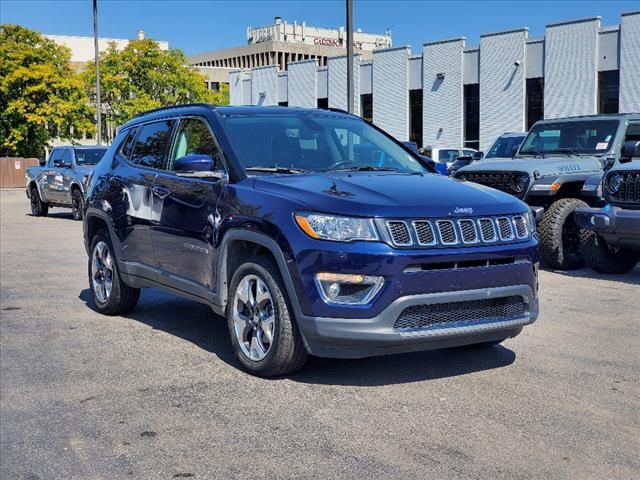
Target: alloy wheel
(102, 272)
(254, 317)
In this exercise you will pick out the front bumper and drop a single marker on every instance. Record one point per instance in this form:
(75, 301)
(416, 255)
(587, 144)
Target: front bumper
(356, 338)
(619, 227)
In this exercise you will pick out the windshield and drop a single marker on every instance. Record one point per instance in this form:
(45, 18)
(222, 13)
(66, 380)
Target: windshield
(504, 147)
(574, 137)
(301, 142)
(89, 156)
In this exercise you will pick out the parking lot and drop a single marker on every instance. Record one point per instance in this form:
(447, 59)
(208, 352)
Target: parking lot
(158, 394)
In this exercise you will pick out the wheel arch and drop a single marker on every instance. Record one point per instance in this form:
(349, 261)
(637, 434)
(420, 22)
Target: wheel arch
(239, 245)
(94, 220)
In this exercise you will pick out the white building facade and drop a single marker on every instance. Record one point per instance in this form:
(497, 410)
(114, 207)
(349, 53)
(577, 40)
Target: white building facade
(453, 95)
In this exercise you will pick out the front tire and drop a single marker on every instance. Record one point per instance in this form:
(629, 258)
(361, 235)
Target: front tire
(77, 203)
(603, 259)
(560, 235)
(38, 207)
(263, 331)
(111, 296)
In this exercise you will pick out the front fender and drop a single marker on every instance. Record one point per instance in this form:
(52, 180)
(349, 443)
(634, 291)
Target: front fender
(264, 241)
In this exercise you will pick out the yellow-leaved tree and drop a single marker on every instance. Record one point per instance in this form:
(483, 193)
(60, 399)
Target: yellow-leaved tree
(41, 97)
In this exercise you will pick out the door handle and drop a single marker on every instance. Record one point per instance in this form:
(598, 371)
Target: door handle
(160, 191)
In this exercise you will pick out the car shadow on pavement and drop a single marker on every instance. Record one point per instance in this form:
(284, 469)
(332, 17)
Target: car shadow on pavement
(196, 323)
(631, 278)
(66, 215)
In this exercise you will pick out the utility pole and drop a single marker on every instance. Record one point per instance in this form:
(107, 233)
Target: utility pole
(97, 56)
(350, 89)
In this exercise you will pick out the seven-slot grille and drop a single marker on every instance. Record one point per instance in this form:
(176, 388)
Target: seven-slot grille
(460, 314)
(504, 181)
(464, 231)
(629, 191)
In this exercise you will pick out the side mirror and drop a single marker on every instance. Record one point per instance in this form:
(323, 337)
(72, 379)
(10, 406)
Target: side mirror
(477, 155)
(61, 163)
(194, 163)
(631, 149)
(42, 162)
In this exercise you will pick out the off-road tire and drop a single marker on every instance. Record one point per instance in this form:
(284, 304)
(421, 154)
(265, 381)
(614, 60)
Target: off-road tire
(38, 207)
(77, 204)
(287, 354)
(553, 247)
(123, 298)
(602, 258)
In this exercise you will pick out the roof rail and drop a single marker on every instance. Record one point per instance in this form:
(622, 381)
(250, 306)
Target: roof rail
(338, 110)
(170, 107)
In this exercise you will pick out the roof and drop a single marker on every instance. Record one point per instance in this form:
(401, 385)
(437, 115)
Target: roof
(601, 116)
(200, 108)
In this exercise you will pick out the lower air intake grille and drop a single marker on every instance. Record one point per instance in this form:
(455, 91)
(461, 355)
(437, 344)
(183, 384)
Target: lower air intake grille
(460, 314)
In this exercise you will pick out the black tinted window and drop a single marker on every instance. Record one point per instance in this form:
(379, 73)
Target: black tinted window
(127, 145)
(151, 145)
(89, 156)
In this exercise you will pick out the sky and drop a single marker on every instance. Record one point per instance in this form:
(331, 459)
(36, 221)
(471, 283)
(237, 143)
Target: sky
(200, 26)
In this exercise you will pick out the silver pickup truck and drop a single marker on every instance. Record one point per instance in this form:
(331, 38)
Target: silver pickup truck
(60, 182)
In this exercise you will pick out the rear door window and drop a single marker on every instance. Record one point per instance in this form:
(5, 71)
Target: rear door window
(150, 148)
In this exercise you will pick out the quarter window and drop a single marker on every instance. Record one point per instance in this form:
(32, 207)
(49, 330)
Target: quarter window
(151, 145)
(127, 145)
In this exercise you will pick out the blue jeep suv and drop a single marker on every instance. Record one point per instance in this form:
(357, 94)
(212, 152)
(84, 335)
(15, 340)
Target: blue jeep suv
(311, 231)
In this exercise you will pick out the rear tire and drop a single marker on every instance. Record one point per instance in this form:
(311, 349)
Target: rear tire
(111, 296)
(77, 204)
(38, 207)
(603, 259)
(560, 235)
(263, 331)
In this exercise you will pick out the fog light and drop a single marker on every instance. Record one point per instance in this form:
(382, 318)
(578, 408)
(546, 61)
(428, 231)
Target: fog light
(348, 289)
(333, 291)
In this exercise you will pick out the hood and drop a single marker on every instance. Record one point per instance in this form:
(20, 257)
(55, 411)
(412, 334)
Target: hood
(627, 167)
(377, 194)
(544, 166)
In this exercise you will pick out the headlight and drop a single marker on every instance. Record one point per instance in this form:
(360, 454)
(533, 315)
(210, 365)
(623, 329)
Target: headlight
(614, 183)
(336, 228)
(521, 183)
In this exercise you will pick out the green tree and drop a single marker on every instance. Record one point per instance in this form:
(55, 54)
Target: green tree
(41, 98)
(142, 76)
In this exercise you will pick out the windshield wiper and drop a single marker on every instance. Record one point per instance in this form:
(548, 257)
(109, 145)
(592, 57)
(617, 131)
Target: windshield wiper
(570, 152)
(363, 168)
(534, 153)
(268, 169)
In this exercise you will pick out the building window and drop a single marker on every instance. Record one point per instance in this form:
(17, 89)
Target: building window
(415, 116)
(608, 91)
(366, 107)
(323, 103)
(472, 116)
(535, 100)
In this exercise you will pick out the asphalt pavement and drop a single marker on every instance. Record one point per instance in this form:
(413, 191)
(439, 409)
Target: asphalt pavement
(158, 394)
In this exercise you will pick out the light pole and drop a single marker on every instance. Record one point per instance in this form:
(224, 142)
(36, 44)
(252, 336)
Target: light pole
(97, 56)
(350, 100)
